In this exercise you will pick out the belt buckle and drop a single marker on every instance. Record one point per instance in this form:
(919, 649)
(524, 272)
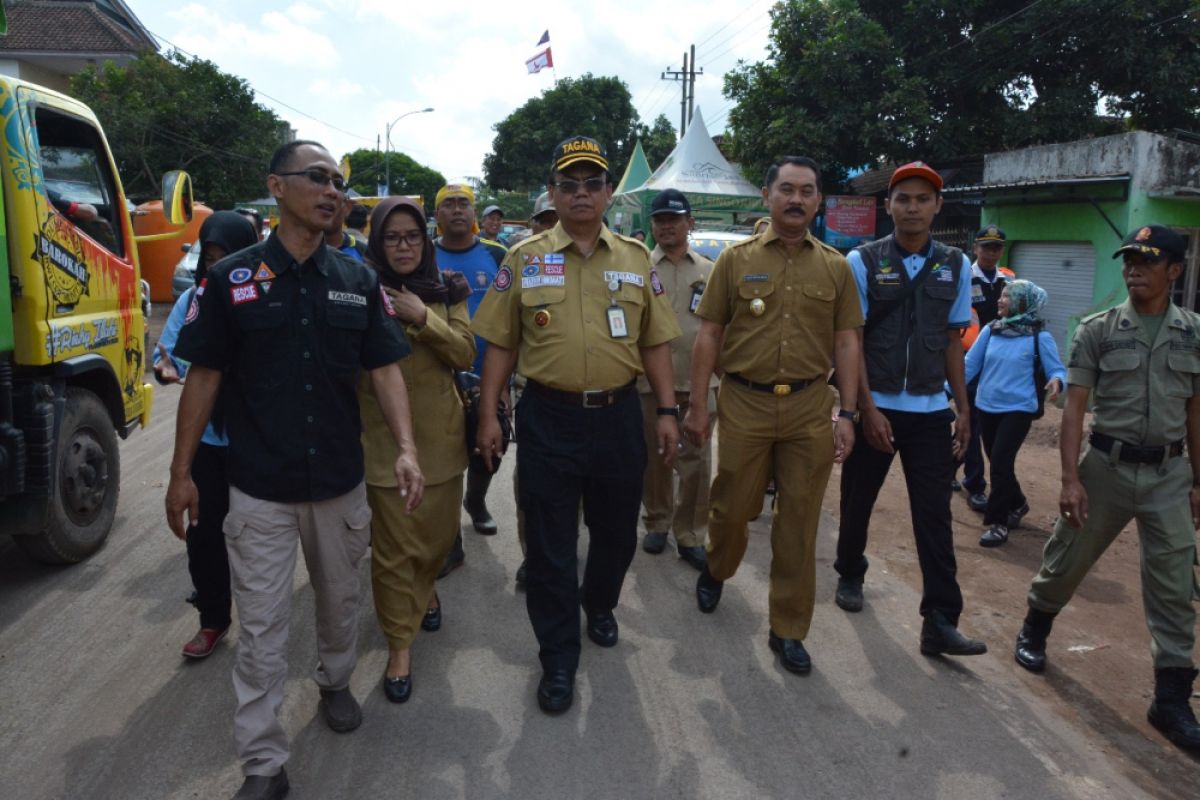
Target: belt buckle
(600, 393)
(782, 389)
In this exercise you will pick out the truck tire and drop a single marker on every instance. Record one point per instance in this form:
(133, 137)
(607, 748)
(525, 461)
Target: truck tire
(86, 484)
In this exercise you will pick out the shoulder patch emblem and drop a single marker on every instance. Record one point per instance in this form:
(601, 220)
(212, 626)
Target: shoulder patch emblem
(264, 273)
(655, 283)
(240, 275)
(388, 308)
(503, 279)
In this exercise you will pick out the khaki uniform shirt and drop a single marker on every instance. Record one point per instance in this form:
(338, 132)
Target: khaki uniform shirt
(685, 284)
(1141, 387)
(806, 298)
(551, 305)
(443, 344)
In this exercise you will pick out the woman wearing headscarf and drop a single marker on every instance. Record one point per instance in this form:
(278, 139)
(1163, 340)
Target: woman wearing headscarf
(1009, 398)
(408, 549)
(223, 233)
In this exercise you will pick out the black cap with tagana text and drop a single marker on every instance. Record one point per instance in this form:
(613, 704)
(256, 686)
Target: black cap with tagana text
(1154, 241)
(670, 201)
(579, 150)
(990, 235)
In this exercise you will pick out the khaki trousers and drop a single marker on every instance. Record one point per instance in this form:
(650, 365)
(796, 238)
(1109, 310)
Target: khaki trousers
(1157, 497)
(407, 550)
(686, 516)
(790, 438)
(261, 536)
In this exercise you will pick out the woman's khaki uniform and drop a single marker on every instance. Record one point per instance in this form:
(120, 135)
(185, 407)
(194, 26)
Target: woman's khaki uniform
(408, 549)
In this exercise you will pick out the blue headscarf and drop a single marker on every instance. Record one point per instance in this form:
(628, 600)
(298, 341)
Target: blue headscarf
(1025, 303)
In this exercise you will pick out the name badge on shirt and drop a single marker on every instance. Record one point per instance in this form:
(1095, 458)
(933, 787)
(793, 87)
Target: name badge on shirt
(887, 277)
(616, 322)
(632, 278)
(944, 275)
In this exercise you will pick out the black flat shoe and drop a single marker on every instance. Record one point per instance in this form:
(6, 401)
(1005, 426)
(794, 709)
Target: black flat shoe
(695, 556)
(792, 654)
(432, 621)
(555, 691)
(708, 591)
(398, 690)
(602, 628)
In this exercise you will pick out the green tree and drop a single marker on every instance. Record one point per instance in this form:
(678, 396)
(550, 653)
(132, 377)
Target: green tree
(173, 112)
(856, 82)
(657, 141)
(367, 170)
(589, 106)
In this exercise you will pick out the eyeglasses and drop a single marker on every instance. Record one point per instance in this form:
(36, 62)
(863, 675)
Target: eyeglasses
(413, 239)
(593, 185)
(319, 177)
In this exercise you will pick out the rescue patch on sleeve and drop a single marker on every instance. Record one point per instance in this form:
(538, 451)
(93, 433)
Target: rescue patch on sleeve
(503, 279)
(387, 302)
(244, 293)
(655, 283)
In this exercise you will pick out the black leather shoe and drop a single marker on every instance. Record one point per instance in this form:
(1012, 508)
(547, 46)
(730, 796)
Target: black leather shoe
(340, 710)
(1015, 517)
(940, 638)
(708, 591)
(849, 596)
(473, 502)
(454, 559)
(654, 542)
(792, 654)
(264, 787)
(555, 691)
(1030, 652)
(432, 621)
(398, 690)
(602, 628)
(1170, 712)
(521, 575)
(694, 556)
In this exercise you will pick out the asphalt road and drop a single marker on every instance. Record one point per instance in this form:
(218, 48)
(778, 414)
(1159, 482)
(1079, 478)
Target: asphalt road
(97, 702)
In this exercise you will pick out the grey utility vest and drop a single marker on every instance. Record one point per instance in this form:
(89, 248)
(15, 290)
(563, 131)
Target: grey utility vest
(905, 350)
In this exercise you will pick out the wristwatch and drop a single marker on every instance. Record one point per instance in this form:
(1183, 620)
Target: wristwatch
(667, 411)
(853, 416)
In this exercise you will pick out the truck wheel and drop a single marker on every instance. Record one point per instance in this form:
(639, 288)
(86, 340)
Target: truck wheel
(87, 483)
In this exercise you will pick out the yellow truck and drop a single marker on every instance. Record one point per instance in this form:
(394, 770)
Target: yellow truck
(72, 331)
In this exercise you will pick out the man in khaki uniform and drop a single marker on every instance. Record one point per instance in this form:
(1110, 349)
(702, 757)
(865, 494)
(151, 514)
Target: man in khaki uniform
(778, 309)
(684, 273)
(580, 312)
(1142, 361)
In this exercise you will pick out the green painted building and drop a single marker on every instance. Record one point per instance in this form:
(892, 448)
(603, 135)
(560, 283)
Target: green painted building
(1066, 207)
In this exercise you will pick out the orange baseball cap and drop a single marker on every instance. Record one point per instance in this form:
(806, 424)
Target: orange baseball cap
(916, 169)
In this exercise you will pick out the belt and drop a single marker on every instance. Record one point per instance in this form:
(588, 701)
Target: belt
(781, 389)
(599, 398)
(1135, 454)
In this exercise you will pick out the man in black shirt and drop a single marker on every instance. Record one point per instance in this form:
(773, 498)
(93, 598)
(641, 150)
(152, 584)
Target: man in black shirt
(281, 330)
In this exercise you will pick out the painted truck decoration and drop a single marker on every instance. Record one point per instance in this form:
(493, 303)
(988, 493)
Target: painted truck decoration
(72, 331)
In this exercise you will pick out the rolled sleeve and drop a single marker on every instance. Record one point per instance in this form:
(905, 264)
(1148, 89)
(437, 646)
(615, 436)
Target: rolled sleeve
(859, 270)
(498, 318)
(1084, 366)
(206, 340)
(849, 312)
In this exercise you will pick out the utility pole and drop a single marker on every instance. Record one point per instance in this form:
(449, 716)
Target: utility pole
(687, 80)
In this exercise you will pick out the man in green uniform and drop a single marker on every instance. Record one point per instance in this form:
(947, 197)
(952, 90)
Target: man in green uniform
(580, 312)
(1142, 360)
(778, 309)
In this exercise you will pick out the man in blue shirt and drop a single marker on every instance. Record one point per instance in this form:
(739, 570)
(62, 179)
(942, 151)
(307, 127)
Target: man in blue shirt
(340, 239)
(459, 248)
(916, 298)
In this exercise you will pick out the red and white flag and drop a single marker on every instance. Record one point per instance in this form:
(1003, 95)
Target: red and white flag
(540, 62)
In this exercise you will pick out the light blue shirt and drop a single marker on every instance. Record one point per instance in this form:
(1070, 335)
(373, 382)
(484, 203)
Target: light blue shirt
(170, 335)
(960, 317)
(1005, 370)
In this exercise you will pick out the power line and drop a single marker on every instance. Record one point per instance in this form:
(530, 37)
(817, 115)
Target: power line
(735, 18)
(755, 20)
(715, 59)
(269, 97)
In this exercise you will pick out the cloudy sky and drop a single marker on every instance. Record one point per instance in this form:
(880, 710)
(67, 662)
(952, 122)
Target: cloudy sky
(340, 70)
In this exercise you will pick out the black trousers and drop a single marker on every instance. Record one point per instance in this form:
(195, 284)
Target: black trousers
(208, 561)
(924, 442)
(974, 476)
(566, 454)
(1003, 435)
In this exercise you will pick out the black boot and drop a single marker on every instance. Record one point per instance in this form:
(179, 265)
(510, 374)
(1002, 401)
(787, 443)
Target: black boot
(473, 502)
(454, 559)
(939, 637)
(1031, 641)
(1170, 712)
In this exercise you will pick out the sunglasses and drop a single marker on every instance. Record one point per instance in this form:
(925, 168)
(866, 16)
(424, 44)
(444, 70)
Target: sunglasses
(319, 177)
(593, 185)
(412, 239)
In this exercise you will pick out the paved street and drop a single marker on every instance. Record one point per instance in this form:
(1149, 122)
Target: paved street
(97, 702)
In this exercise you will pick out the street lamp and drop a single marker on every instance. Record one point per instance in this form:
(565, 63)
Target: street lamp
(387, 147)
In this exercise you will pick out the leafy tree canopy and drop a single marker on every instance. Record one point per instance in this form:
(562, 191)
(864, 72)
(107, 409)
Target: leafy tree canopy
(589, 106)
(657, 141)
(173, 112)
(855, 82)
(367, 171)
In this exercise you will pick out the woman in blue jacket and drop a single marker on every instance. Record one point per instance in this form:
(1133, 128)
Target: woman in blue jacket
(1008, 398)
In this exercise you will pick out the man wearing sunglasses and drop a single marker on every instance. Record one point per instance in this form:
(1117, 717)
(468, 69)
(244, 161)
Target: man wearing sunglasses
(460, 248)
(282, 331)
(580, 312)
